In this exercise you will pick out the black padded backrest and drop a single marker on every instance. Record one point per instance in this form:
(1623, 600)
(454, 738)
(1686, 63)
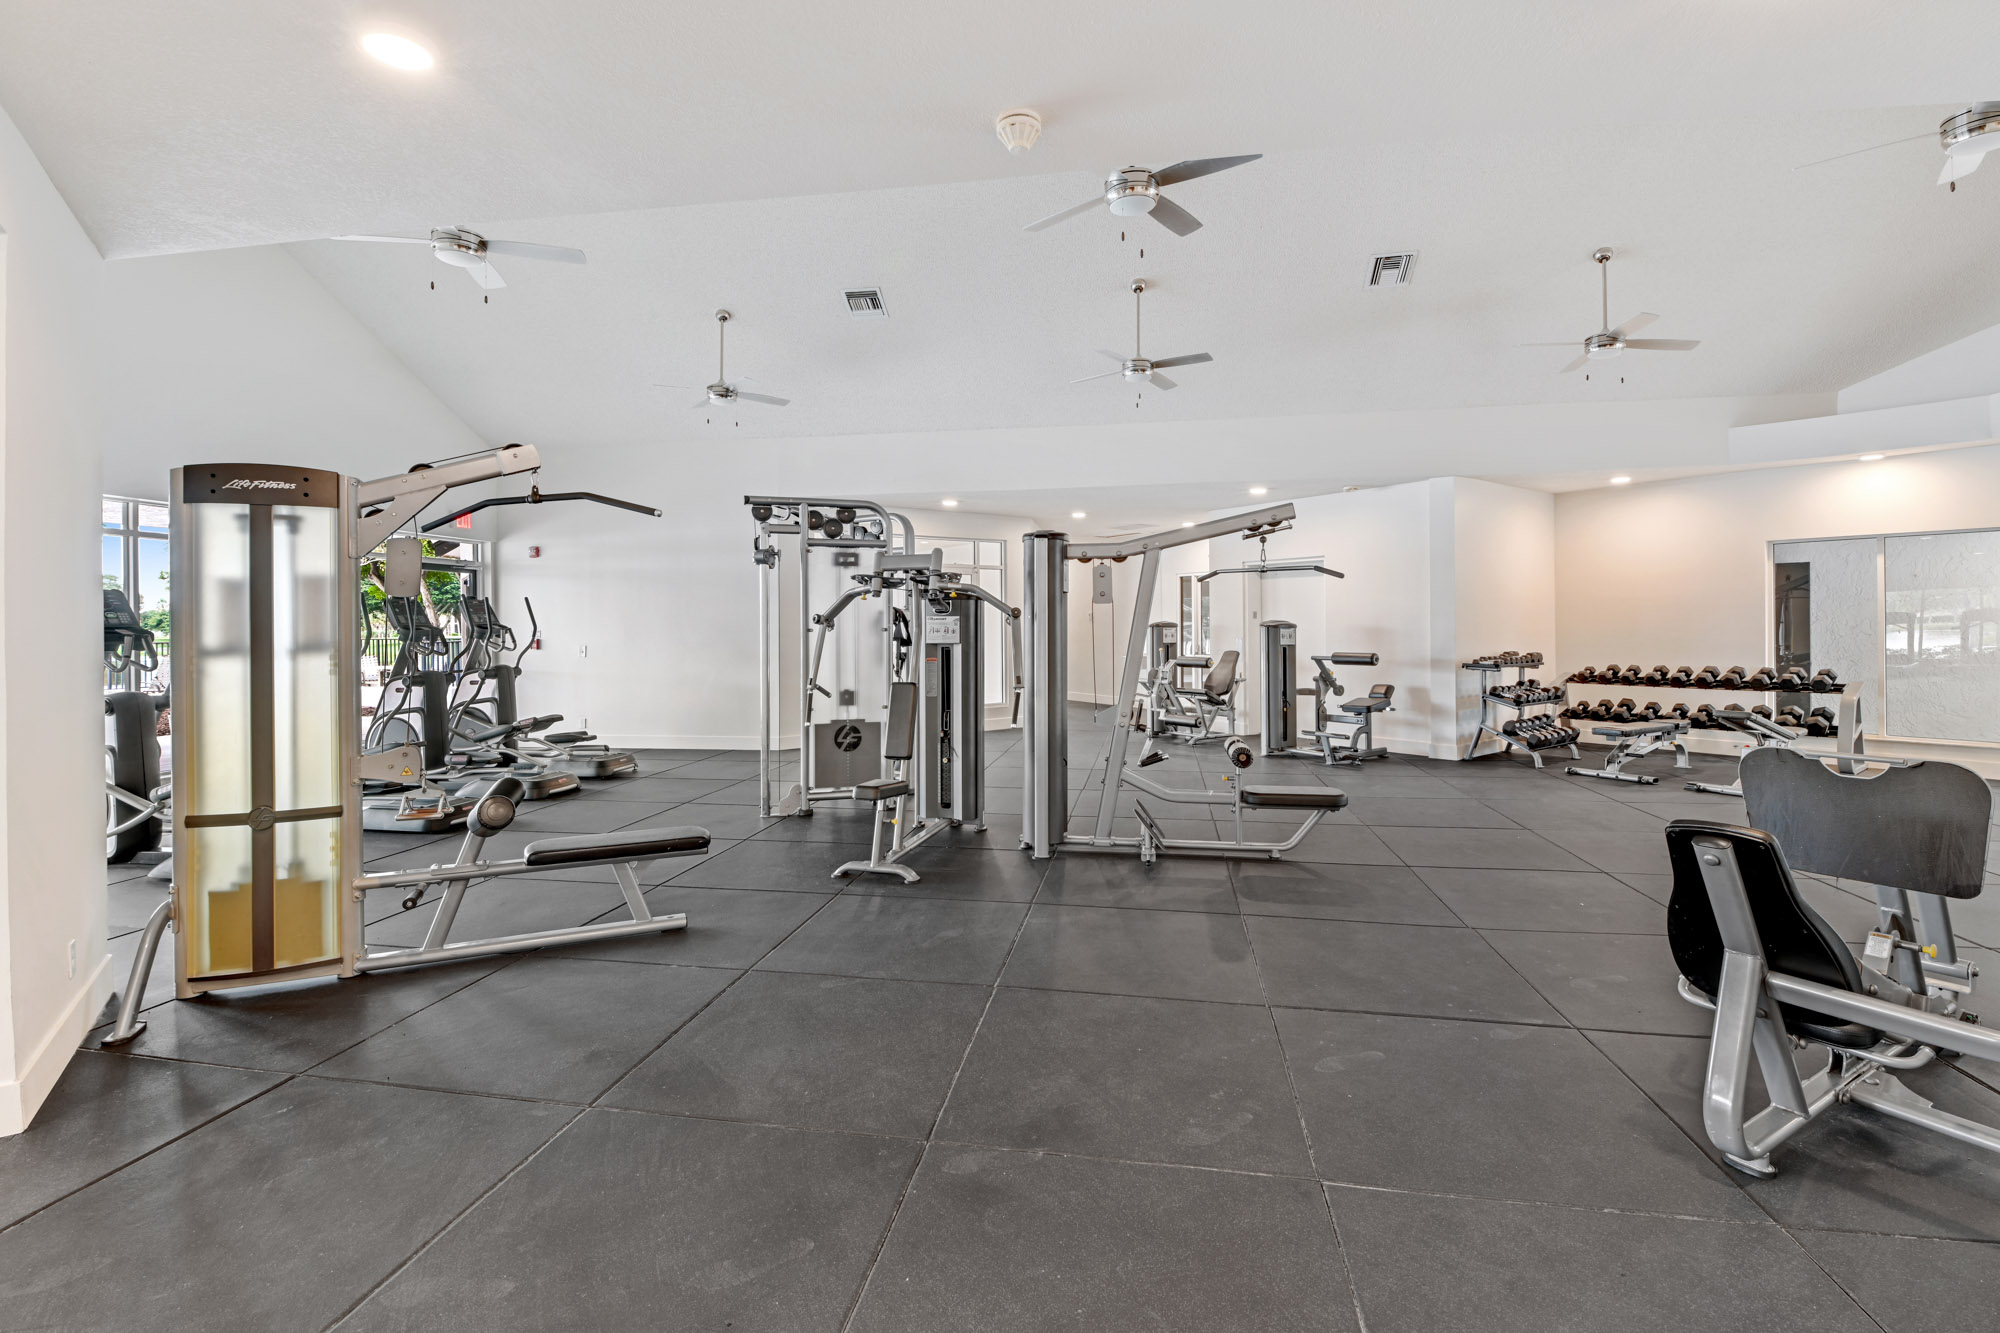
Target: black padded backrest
(1221, 676)
(1921, 828)
(1797, 940)
(899, 733)
(1382, 692)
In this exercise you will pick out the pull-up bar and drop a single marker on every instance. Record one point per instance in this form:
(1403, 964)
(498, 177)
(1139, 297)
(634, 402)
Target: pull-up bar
(535, 497)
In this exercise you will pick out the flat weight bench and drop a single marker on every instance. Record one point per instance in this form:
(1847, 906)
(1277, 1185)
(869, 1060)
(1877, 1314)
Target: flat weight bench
(1634, 740)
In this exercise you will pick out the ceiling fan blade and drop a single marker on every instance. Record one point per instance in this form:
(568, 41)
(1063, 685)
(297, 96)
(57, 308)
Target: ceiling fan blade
(1085, 379)
(561, 254)
(1173, 217)
(1111, 356)
(486, 276)
(1567, 342)
(1873, 148)
(1959, 164)
(1634, 324)
(1066, 214)
(1663, 344)
(1577, 364)
(763, 398)
(1159, 381)
(1200, 166)
(699, 403)
(1192, 360)
(391, 240)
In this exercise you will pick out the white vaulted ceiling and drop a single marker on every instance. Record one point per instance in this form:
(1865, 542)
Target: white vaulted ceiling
(766, 154)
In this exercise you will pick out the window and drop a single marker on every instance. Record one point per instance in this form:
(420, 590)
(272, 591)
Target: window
(454, 572)
(1911, 623)
(135, 560)
(1194, 617)
(984, 563)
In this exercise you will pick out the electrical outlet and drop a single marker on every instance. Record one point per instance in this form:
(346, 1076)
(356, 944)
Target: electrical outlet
(72, 958)
(583, 650)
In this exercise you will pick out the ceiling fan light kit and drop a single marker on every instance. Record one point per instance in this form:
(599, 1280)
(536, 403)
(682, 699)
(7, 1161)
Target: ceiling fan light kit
(1137, 367)
(1135, 192)
(1967, 138)
(466, 249)
(1608, 342)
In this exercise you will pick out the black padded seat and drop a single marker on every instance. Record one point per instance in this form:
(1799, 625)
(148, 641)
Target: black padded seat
(1797, 940)
(881, 789)
(625, 845)
(1294, 798)
(1658, 727)
(566, 737)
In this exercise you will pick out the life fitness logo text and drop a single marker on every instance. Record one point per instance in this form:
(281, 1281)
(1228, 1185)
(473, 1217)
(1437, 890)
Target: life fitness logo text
(247, 484)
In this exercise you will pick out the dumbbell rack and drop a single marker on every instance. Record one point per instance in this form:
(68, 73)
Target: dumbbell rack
(1839, 688)
(1490, 719)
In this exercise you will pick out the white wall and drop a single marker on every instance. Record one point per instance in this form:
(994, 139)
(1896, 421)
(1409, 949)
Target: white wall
(1967, 368)
(1502, 586)
(52, 906)
(1676, 572)
(240, 356)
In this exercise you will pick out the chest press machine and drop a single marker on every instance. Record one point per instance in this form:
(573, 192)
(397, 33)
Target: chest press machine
(268, 761)
(1045, 794)
(1780, 979)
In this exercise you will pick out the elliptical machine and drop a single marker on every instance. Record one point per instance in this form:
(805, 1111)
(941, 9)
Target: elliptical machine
(134, 797)
(484, 697)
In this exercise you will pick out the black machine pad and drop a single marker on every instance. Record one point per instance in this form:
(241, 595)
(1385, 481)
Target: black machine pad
(1294, 798)
(626, 845)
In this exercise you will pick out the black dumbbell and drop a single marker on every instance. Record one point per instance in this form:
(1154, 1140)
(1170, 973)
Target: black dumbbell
(1648, 711)
(1731, 679)
(1791, 680)
(1681, 676)
(1703, 716)
(1678, 711)
(1657, 676)
(1762, 710)
(1706, 678)
(1584, 675)
(1763, 678)
(1820, 722)
(1601, 711)
(1824, 681)
(1791, 715)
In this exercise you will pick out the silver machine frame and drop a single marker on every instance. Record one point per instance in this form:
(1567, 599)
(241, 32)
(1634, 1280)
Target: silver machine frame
(1045, 813)
(1282, 733)
(947, 778)
(370, 512)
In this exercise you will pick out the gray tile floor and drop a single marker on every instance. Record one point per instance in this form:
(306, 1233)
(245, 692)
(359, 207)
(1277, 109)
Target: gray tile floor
(1430, 1074)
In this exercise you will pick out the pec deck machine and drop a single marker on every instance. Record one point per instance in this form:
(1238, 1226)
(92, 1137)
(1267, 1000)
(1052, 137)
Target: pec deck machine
(268, 764)
(1045, 795)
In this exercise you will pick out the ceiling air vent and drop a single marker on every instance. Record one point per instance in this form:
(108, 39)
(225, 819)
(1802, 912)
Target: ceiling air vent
(866, 303)
(1391, 270)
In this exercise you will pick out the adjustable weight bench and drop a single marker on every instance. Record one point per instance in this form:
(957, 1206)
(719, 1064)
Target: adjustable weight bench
(1634, 740)
(1777, 976)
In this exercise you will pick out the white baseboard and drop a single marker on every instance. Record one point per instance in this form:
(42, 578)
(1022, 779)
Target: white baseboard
(21, 1097)
(629, 742)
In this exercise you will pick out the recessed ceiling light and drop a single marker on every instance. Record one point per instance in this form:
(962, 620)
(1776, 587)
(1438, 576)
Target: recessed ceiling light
(1188, 524)
(1621, 481)
(949, 504)
(1078, 513)
(400, 52)
(1869, 458)
(1260, 490)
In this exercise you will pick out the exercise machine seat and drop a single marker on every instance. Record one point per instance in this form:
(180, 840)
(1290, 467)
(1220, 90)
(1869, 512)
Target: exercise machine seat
(627, 845)
(1217, 684)
(1378, 699)
(1294, 798)
(1797, 940)
(878, 790)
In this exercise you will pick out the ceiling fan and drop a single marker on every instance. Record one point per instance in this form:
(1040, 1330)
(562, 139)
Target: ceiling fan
(468, 250)
(1138, 367)
(1966, 138)
(1608, 342)
(1135, 190)
(722, 393)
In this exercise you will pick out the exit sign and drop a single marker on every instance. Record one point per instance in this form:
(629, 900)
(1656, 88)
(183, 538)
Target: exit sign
(463, 521)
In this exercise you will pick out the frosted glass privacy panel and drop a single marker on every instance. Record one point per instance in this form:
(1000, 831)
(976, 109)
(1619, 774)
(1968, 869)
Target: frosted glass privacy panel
(1941, 636)
(1841, 598)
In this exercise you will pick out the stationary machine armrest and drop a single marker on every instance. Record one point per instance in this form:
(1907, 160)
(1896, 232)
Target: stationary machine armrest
(1294, 798)
(626, 845)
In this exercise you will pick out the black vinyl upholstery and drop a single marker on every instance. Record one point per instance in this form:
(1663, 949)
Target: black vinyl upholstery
(1294, 798)
(625, 845)
(881, 789)
(899, 733)
(1797, 940)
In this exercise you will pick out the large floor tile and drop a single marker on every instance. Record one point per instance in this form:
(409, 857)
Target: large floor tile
(640, 1222)
(724, 823)
(911, 939)
(564, 1029)
(279, 1215)
(1426, 812)
(1912, 1286)
(1004, 1240)
(1545, 900)
(726, 927)
(1123, 951)
(1440, 971)
(106, 1111)
(509, 905)
(293, 1027)
(1621, 983)
(760, 863)
(1337, 893)
(1851, 1169)
(950, 871)
(572, 815)
(827, 823)
(1640, 850)
(1486, 849)
(1424, 1264)
(820, 1052)
(1336, 844)
(1112, 879)
(1440, 1106)
(1139, 1079)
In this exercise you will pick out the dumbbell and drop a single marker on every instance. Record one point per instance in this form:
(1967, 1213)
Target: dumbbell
(1731, 679)
(1706, 678)
(1681, 676)
(1703, 716)
(1678, 711)
(1631, 675)
(1609, 675)
(1763, 678)
(1648, 712)
(1623, 711)
(1762, 710)
(1657, 676)
(1791, 680)
(1600, 711)
(1823, 681)
(1791, 715)
(1584, 675)
(1820, 722)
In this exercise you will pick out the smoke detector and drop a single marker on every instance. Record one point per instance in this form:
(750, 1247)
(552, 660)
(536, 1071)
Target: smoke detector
(1018, 129)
